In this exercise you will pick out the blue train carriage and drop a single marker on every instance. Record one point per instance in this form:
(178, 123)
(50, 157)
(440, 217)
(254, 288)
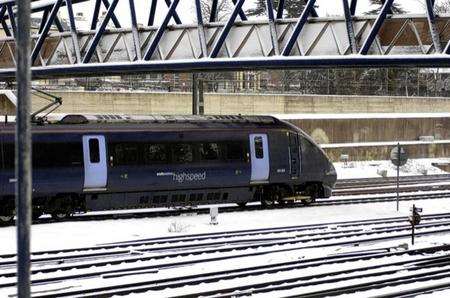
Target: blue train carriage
(108, 162)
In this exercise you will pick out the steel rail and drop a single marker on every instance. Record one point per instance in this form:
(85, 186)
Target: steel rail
(231, 234)
(121, 253)
(217, 276)
(167, 254)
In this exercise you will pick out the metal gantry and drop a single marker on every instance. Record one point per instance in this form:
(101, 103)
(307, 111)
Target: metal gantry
(272, 41)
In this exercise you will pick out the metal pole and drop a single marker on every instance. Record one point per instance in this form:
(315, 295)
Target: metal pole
(201, 99)
(23, 148)
(398, 175)
(195, 99)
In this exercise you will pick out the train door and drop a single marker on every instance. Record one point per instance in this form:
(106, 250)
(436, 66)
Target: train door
(294, 155)
(259, 151)
(94, 156)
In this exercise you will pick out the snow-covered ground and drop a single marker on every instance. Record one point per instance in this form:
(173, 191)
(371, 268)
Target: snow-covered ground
(372, 169)
(81, 234)
(52, 236)
(78, 234)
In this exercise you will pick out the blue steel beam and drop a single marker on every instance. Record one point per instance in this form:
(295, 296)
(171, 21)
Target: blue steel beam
(134, 30)
(353, 7)
(389, 9)
(151, 15)
(201, 29)
(95, 14)
(226, 29)
(350, 29)
(113, 17)
(376, 27)
(58, 24)
(73, 30)
(2, 18)
(214, 11)
(43, 21)
(226, 64)
(45, 30)
(12, 19)
(152, 48)
(280, 9)
(241, 13)
(432, 24)
(298, 28)
(272, 27)
(176, 18)
(6, 27)
(87, 57)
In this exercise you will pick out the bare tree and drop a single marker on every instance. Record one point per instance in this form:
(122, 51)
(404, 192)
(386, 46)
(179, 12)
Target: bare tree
(442, 7)
(396, 8)
(292, 8)
(224, 8)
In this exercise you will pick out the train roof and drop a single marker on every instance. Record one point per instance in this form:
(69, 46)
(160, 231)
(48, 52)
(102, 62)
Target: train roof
(60, 122)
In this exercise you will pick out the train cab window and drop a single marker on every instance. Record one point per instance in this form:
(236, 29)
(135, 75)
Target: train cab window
(155, 154)
(94, 150)
(126, 154)
(209, 151)
(307, 147)
(235, 151)
(182, 153)
(259, 149)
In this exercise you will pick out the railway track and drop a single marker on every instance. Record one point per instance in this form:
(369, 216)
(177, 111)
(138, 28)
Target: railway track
(334, 201)
(389, 181)
(384, 185)
(153, 264)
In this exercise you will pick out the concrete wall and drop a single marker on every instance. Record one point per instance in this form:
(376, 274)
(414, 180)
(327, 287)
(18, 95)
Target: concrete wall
(6, 107)
(180, 103)
(374, 130)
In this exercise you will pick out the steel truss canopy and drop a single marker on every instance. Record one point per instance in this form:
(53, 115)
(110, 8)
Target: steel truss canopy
(269, 42)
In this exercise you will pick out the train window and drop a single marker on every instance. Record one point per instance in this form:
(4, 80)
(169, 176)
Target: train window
(209, 151)
(307, 147)
(182, 153)
(50, 155)
(235, 151)
(259, 149)
(155, 154)
(8, 156)
(94, 150)
(126, 154)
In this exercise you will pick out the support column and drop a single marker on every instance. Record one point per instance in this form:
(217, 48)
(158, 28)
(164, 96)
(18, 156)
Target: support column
(198, 104)
(23, 147)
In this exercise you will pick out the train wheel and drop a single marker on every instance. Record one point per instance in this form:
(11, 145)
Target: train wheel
(60, 215)
(6, 219)
(36, 214)
(62, 208)
(267, 203)
(268, 199)
(242, 204)
(311, 191)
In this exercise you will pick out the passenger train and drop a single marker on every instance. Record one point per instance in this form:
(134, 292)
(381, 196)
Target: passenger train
(106, 162)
